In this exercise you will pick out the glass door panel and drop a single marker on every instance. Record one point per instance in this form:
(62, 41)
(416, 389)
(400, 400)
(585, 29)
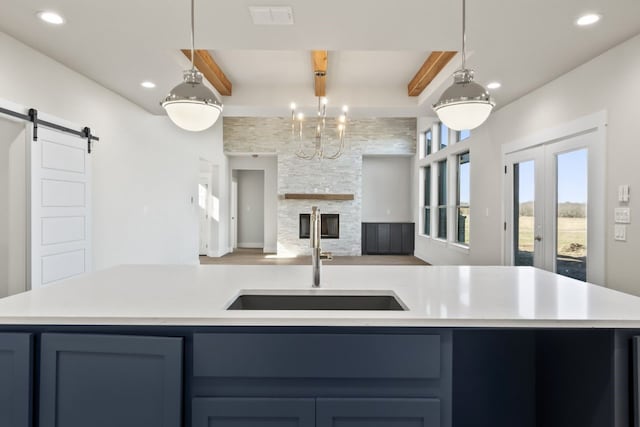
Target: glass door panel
(571, 214)
(523, 213)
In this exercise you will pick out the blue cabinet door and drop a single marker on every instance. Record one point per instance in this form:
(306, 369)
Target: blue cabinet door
(110, 380)
(253, 412)
(378, 413)
(636, 380)
(15, 380)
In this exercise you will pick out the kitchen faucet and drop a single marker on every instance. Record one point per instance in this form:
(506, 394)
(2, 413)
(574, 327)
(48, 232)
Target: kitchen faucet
(316, 252)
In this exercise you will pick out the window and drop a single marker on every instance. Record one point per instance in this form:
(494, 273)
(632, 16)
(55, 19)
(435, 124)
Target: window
(428, 141)
(444, 136)
(442, 199)
(461, 135)
(426, 209)
(463, 199)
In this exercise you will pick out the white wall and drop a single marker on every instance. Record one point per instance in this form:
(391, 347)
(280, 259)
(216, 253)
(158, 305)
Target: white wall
(12, 207)
(269, 165)
(145, 169)
(250, 209)
(386, 189)
(608, 82)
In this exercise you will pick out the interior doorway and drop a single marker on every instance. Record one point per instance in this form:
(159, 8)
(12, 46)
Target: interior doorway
(554, 196)
(203, 214)
(249, 208)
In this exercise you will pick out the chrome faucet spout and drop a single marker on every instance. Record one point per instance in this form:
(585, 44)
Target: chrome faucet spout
(316, 251)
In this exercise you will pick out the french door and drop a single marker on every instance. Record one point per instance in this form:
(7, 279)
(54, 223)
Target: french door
(553, 208)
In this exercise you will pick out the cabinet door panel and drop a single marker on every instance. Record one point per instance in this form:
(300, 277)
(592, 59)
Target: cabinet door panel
(110, 380)
(15, 380)
(378, 413)
(408, 238)
(384, 238)
(371, 245)
(395, 239)
(253, 412)
(636, 380)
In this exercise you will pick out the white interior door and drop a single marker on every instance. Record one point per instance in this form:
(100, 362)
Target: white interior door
(59, 207)
(554, 216)
(234, 215)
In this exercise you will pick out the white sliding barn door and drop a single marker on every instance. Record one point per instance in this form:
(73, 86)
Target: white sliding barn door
(60, 207)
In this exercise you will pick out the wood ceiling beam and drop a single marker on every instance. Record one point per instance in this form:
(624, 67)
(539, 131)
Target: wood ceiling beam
(436, 61)
(205, 63)
(319, 64)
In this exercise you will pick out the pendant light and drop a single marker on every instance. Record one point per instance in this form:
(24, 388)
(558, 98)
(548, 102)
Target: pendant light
(191, 105)
(465, 105)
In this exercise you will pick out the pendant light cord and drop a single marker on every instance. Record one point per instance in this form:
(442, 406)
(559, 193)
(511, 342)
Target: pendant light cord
(464, 34)
(193, 36)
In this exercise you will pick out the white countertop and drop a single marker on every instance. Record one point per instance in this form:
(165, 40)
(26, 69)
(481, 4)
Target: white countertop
(444, 296)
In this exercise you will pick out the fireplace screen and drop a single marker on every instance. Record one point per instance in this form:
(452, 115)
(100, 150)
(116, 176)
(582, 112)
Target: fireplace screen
(329, 226)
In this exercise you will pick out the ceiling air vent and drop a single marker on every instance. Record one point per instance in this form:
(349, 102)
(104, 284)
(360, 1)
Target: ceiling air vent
(271, 15)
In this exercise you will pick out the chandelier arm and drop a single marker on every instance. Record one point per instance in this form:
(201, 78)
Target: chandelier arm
(340, 149)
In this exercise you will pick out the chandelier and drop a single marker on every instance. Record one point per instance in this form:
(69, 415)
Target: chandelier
(323, 143)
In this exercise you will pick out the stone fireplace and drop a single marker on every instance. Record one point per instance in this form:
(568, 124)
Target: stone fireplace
(342, 176)
(329, 226)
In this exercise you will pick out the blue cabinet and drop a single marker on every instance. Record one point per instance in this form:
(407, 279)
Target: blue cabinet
(636, 380)
(338, 412)
(15, 379)
(110, 380)
(253, 412)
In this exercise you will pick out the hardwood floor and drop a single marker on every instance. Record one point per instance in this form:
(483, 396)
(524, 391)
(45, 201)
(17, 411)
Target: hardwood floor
(257, 257)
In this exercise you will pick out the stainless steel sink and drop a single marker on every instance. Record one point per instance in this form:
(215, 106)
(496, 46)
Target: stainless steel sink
(316, 301)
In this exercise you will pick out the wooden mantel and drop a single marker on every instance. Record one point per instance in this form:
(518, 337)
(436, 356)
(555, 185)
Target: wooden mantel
(318, 196)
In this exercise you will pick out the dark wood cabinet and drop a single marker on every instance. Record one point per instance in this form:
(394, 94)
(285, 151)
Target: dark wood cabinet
(110, 380)
(15, 379)
(388, 238)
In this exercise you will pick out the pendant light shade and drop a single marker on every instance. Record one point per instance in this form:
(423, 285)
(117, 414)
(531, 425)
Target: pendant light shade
(191, 105)
(465, 105)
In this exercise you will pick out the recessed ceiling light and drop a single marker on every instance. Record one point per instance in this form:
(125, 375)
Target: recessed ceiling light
(494, 85)
(588, 19)
(51, 17)
(148, 85)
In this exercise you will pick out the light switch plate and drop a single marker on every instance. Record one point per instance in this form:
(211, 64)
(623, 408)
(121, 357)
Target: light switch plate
(622, 215)
(623, 193)
(620, 232)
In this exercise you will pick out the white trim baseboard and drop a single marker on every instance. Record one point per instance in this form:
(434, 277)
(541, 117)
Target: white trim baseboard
(251, 245)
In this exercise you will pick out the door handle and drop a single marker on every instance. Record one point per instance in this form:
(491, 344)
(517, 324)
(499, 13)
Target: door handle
(538, 238)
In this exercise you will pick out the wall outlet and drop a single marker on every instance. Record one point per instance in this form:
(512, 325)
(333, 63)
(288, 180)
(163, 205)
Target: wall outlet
(622, 215)
(620, 232)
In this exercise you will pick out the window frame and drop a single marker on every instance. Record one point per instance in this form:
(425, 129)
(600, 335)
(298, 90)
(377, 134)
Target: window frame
(442, 198)
(447, 155)
(458, 206)
(425, 225)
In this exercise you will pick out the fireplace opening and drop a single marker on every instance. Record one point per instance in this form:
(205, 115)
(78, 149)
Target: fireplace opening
(329, 226)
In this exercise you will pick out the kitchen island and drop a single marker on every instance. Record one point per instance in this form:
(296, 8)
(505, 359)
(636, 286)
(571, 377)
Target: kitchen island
(474, 346)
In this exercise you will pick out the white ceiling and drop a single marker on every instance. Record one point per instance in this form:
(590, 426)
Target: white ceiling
(375, 47)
